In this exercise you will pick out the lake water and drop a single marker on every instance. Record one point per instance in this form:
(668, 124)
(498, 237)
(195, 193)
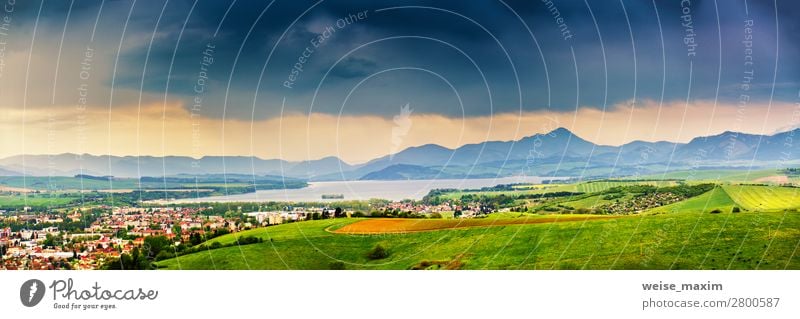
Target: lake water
(363, 190)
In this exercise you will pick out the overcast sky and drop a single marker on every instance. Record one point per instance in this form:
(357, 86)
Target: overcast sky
(611, 71)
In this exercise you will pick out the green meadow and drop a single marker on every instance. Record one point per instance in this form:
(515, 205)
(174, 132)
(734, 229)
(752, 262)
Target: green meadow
(50, 200)
(690, 240)
(727, 227)
(762, 198)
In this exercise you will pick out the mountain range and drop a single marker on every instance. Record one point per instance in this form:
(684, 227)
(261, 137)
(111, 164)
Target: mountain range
(556, 153)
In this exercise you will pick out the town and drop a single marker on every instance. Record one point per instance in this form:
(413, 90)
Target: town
(104, 237)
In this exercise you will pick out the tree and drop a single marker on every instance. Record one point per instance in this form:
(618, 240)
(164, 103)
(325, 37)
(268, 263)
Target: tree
(338, 213)
(378, 253)
(164, 255)
(177, 230)
(195, 239)
(156, 244)
(132, 261)
(51, 241)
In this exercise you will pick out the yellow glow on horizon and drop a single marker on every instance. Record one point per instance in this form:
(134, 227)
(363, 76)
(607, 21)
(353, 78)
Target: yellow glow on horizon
(160, 130)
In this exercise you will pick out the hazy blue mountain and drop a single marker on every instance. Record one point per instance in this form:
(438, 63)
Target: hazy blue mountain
(734, 146)
(7, 172)
(405, 171)
(425, 155)
(644, 152)
(321, 167)
(559, 152)
(132, 166)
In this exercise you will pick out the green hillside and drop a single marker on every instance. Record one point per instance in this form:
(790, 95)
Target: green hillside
(764, 198)
(717, 198)
(684, 240)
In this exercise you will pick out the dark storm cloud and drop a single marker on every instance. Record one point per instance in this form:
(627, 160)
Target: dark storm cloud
(480, 48)
(354, 67)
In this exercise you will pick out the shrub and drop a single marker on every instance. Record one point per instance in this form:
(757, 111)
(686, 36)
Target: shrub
(378, 253)
(246, 240)
(435, 215)
(716, 211)
(215, 245)
(613, 196)
(336, 265)
(735, 209)
(164, 255)
(357, 214)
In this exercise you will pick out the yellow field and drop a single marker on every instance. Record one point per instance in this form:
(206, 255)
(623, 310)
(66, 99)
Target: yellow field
(764, 198)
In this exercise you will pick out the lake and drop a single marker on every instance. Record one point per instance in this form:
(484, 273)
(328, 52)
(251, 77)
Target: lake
(363, 190)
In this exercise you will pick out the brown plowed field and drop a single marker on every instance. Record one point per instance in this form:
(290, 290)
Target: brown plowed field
(399, 225)
(778, 179)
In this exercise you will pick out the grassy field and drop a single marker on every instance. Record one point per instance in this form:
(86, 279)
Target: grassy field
(599, 186)
(588, 202)
(717, 198)
(584, 187)
(302, 230)
(730, 226)
(18, 200)
(715, 175)
(764, 198)
(680, 240)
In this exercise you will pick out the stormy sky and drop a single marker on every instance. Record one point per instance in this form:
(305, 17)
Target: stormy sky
(195, 69)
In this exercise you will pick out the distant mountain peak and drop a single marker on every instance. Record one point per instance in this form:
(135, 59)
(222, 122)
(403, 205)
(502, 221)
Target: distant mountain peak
(430, 147)
(560, 131)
